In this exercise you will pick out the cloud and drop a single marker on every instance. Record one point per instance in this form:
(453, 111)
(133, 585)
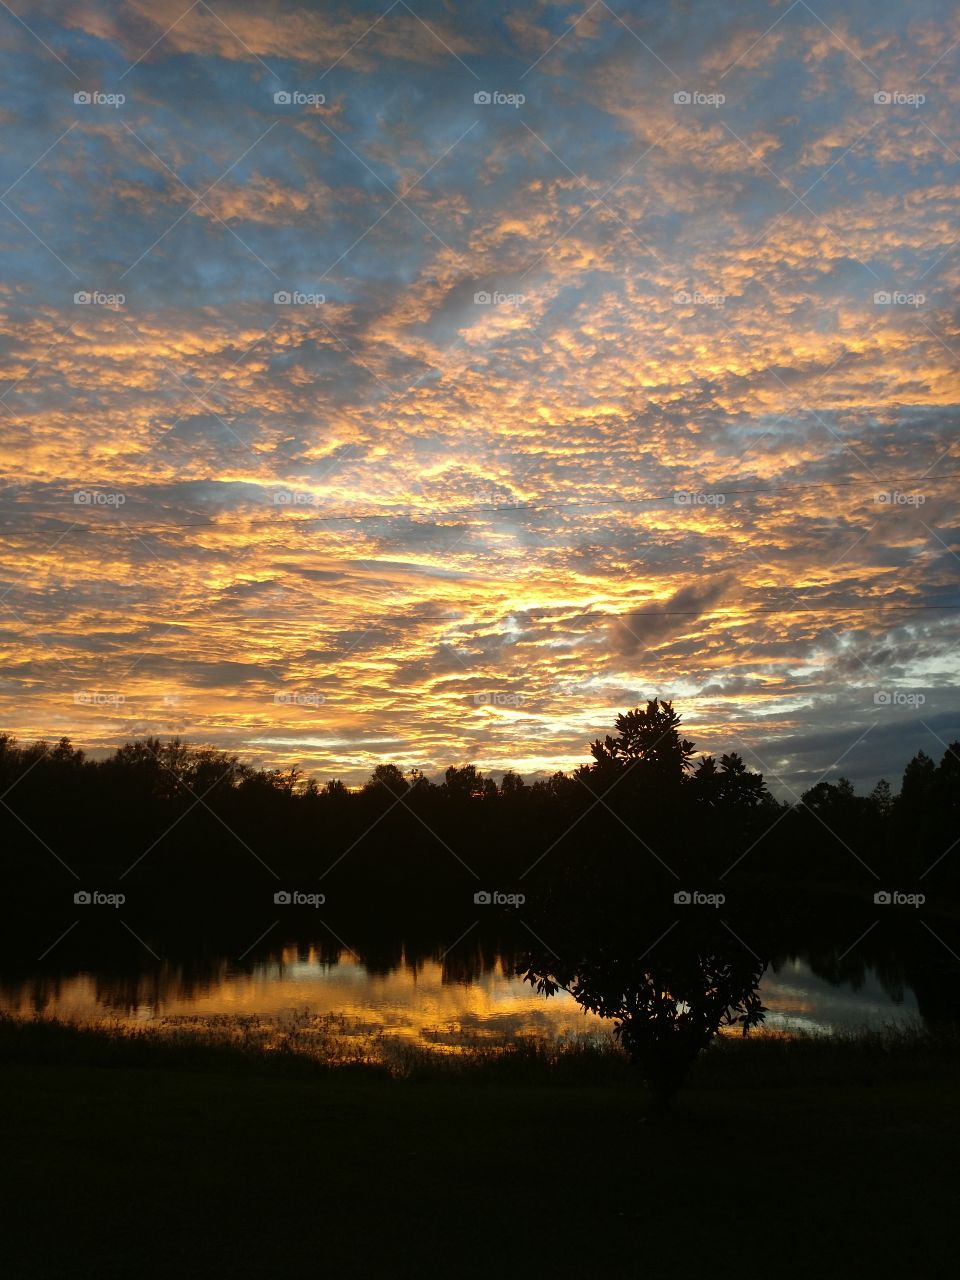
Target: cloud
(481, 492)
(650, 624)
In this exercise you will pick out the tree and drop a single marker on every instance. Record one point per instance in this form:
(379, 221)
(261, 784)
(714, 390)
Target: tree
(834, 800)
(668, 1001)
(881, 798)
(731, 788)
(65, 753)
(947, 780)
(648, 744)
(739, 788)
(387, 777)
(468, 783)
(918, 780)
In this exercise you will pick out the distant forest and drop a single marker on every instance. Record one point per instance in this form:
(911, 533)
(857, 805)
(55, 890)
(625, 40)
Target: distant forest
(165, 811)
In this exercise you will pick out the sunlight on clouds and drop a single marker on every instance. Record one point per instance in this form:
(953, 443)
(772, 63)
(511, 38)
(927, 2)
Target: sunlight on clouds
(507, 451)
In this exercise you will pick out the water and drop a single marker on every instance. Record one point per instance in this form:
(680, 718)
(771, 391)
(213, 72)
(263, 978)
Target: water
(418, 1001)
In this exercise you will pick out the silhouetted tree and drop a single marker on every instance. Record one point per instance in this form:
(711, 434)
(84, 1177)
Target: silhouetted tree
(881, 798)
(647, 744)
(668, 989)
(389, 778)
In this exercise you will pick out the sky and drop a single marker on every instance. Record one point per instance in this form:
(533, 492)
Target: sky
(432, 382)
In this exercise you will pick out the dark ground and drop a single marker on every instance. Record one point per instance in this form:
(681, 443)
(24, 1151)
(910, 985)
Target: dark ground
(132, 1172)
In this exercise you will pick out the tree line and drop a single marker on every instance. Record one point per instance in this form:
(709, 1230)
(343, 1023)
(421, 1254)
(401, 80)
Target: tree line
(643, 800)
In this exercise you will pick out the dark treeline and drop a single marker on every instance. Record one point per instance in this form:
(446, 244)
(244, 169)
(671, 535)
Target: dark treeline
(653, 886)
(158, 812)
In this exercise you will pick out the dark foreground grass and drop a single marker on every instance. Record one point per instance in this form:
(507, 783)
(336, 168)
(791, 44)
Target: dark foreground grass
(237, 1165)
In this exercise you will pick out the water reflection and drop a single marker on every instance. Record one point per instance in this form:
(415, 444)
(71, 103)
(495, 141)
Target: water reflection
(799, 1000)
(419, 1000)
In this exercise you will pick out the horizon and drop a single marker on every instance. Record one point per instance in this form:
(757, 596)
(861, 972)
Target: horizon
(354, 785)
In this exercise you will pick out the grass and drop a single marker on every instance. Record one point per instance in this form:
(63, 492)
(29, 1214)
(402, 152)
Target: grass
(143, 1155)
(313, 1044)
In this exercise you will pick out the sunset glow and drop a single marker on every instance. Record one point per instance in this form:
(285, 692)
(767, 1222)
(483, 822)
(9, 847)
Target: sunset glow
(618, 391)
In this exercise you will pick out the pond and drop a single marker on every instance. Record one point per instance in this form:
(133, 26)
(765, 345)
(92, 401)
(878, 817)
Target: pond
(419, 1001)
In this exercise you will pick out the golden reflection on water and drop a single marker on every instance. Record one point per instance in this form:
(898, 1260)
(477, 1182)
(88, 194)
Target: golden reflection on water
(410, 1003)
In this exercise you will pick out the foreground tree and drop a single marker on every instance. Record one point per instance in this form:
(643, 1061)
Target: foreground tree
(667, 1001)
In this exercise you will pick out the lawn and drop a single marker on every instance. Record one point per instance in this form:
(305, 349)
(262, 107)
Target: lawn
(142, 1171)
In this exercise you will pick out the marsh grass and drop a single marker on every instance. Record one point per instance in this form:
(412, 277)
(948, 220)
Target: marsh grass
(858, 1057)
(303, 1043)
